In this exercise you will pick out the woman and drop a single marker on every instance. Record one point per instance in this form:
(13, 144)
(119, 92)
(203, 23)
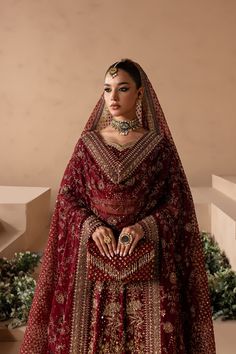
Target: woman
(123, 188)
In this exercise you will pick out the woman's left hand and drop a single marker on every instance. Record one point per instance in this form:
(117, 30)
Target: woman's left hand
(137, 233)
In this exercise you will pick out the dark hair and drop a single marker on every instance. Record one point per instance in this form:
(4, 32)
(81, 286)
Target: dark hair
(129, 66)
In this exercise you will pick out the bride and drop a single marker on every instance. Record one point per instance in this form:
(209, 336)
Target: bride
(123, 270)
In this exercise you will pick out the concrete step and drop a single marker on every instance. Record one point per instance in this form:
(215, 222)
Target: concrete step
(209, 195)
(9, 347)
(225, 184)
(24, 218)
(225, 336)
(11, 335)
(216, 213)
(8, 236)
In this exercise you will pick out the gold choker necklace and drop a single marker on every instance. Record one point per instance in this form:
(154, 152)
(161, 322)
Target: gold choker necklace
(125, 126)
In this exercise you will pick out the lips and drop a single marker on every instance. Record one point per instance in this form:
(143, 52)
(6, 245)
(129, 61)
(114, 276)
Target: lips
(115, 106)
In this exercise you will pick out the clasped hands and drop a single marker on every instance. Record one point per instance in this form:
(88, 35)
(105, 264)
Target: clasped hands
(112, 248)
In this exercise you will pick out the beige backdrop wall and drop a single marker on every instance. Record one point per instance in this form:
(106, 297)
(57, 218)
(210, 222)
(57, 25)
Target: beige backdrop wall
(53, 54)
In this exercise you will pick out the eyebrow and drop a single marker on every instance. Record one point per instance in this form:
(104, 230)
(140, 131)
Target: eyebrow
(120, 83)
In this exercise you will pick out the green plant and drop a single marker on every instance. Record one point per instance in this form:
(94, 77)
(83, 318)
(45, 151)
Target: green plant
(215, 259)
(221, 278)
(17, 287)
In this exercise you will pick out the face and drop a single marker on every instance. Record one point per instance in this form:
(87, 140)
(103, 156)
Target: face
(121, 95)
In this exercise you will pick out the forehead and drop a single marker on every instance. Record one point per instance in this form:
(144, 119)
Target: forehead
(122, 76)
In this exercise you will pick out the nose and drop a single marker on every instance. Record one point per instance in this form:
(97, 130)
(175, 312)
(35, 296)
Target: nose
(114, 95)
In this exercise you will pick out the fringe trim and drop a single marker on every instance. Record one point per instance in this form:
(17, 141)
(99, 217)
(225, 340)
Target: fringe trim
(128, 269)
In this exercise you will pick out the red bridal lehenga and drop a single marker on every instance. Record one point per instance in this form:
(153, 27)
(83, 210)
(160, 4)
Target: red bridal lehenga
(106, 184)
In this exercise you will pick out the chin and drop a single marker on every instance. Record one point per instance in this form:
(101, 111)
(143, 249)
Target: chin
(116, 113)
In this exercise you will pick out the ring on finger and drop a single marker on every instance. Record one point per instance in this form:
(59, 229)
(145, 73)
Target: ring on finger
(107, 239)
(126, 239)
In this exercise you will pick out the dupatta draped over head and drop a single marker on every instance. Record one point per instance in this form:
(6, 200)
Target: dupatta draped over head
(118, 186)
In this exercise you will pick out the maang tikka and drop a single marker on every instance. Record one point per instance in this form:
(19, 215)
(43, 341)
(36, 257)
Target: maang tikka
(113, 71)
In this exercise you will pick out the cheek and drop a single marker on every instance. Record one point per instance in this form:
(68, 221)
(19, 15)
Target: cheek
(131, 99)
(105, 98)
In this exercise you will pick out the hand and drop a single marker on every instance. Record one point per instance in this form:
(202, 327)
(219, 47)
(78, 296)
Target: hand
(100, 234)
(137, 233)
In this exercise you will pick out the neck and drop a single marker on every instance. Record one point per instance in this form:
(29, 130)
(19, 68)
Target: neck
(126, 119)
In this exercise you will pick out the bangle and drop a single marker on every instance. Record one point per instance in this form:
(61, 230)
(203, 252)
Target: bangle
(92, 222)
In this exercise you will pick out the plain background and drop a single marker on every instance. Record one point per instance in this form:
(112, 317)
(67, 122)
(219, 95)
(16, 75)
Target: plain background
(53, 55)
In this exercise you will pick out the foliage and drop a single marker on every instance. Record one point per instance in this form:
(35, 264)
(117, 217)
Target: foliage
(221, 278)
(215, 259)
(17, 287)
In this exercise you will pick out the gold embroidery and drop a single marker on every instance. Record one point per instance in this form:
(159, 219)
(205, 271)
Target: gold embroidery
(128, 269)
(188, 227)
(123, 318)
(119, 170)
(173, 278)
(150, 227)
(153, 318)
(143, 327)
(121, 147)
(114, 206)
(60, 298)
(79, 329)
(168, 327)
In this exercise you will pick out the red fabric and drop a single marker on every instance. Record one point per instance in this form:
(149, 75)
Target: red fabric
(115, 318)
(139, 266)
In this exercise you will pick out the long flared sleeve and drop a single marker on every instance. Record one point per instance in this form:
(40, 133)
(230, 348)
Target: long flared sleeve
(53, 295)
(173, 224)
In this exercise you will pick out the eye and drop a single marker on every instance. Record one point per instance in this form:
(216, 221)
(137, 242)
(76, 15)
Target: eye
(107, 89)
(124, 89)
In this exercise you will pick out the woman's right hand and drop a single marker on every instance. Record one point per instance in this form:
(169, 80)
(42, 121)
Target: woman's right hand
(100, 235)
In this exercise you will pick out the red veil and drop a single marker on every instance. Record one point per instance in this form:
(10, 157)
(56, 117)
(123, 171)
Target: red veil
(150, 186)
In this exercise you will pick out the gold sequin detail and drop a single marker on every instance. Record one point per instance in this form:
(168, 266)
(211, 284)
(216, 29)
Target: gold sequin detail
(168, 327)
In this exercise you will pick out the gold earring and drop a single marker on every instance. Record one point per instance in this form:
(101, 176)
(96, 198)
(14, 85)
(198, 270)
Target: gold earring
(139, 108)
(105, 118)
